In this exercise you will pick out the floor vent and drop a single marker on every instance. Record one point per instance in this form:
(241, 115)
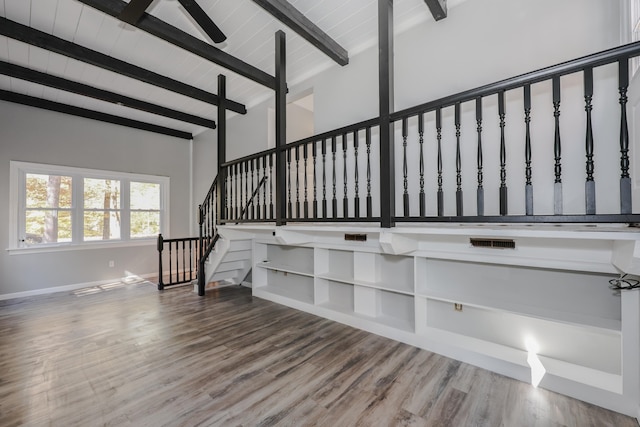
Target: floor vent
(493, 243)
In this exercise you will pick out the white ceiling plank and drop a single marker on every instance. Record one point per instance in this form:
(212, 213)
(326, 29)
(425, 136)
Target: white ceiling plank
(38, 59)
(43, 15)
(88, 26)
(20, 86)
(2, 12)
(18, 10)
(18, 52)
(57, 64)
(67, 19)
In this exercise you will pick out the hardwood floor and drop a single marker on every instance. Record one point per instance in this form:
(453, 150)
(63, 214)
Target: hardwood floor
(128, 355)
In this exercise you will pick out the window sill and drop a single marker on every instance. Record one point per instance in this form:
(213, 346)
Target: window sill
(64, 247)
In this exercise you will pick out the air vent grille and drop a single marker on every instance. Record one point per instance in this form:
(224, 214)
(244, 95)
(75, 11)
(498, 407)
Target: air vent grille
(493, 243)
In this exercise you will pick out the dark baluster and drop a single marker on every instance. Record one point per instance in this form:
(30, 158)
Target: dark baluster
(264, 187)
(315, 183)
(306, 200)
(170, 265)
(230, 189)
(480, 190)
(503, 156)
(345, 200)
(247, 196)
(528, 187)
(237, 193)
(356, 200)
(458, 161)
(421, 142)
(241, 170)
(334, 201)
(289, 204)
(190, 260)
(590, 185)
(225, 206)
(256, 205)
(184, 262)
(440, 194)
(324, 178)
(297, 181)
(250, 206)
(625, 179)
(177, 269)
(557, 149)
(405, 168)
(271, 186)
(160, 247)
(369, 200)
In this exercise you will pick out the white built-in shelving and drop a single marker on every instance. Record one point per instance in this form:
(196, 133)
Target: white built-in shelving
(476, 311)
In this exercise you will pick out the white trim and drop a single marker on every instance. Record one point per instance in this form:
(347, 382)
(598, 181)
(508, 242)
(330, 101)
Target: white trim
(72, 287)
(64, 247)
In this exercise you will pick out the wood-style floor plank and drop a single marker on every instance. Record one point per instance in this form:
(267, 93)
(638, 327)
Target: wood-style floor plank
(128, 355)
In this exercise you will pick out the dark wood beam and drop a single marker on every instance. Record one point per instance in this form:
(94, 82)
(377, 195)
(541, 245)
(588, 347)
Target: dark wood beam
(55, 44)
(45, 104)
(203, 20)
(385, 88)
(294, 19)
(49, 80)
(134, 10)
(438, 8)
(177, 37)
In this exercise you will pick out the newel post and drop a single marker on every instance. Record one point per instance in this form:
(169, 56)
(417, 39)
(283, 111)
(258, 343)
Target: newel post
(281, 128)
(160, 248)
(385, 82)
(222, 149)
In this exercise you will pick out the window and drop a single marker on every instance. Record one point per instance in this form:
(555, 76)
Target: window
(64, 206)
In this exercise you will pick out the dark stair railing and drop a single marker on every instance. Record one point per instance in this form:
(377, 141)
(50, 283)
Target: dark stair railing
(208, 225)
(183, 255)
(461, 159)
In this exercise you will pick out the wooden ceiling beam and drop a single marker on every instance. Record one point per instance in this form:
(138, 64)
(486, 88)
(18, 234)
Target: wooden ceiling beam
(177, 37)
(438, 8)
(55, 44)
(49, 80)
(45, 104)
(134, 10)
(294, 19)
(203, 20)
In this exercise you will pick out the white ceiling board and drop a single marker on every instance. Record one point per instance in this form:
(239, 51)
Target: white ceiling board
(43, 15)
(66, 21)
(38, 59)
(18, 52)
(88, 25)
(249, 28)
(18, 10)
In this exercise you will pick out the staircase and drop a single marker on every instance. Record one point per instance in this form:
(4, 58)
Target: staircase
(229, 262)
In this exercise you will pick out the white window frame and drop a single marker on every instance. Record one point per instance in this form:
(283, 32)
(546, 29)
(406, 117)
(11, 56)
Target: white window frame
(17, 203)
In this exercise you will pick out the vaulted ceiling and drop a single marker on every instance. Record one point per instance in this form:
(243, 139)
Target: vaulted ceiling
(52, 51)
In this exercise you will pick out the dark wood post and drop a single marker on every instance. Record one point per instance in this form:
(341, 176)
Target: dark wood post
(385, 83)
(281, 127)
(222, 148)
(160, 248)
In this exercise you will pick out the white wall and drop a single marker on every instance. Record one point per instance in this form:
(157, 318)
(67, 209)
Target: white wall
(33, 135)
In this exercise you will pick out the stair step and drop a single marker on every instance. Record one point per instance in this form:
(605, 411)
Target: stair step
(239, 245)
(231, 265)
(238, 256)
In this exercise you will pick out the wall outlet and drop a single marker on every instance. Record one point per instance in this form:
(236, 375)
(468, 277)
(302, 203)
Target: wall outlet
(457, 306)
(112, 263)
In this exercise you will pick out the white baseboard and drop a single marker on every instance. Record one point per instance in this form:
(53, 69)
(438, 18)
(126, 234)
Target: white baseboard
(72, 287)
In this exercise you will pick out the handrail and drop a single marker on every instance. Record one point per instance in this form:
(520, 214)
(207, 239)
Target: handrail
(567, 67)
(216, 237)
(250, 201)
